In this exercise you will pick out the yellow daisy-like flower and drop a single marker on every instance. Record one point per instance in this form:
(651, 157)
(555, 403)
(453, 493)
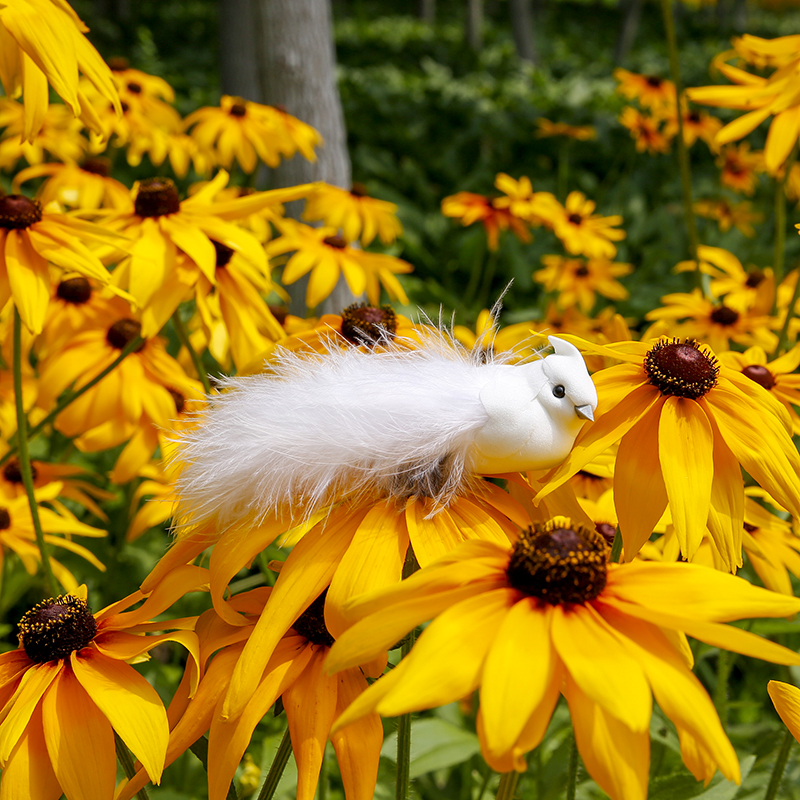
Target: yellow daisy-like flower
(582, 232)
(247, 131)
(87, 186)
(355, 213)
(716, 323)
(684, 424)
(546, 128)
(645, 131)
(43, 43)
(470, 208)
(294, 673)
(551, 616)
(69, 688)
(728, 215)
(696, 125)
(327, 255)
(740, 168)
(489, 337)
(650, 90)
(537, 208)
(31, 238)
(577, 280)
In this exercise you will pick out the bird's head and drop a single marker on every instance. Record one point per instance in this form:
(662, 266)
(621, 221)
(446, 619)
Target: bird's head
(570, 395)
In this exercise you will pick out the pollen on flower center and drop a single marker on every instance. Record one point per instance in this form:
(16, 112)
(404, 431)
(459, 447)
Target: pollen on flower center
(681, 368)
(12, 471)
(97, 166)
(17, 211)
(365, 324)
(56, 627)
(559, 564)
(74, 290)
(335, 241)
(224, 253)
(122, 332)
(723, 315)
(157, 197)
(311, 623)
(607, 531)
(760, 374)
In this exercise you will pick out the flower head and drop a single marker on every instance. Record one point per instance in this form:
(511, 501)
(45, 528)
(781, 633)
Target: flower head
(470, 208)
(582, 232)
(577, 280)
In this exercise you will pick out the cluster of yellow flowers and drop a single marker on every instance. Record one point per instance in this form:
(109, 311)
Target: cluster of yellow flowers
(570, 581)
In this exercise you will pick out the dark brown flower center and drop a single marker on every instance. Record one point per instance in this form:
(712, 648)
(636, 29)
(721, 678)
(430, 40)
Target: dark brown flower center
(582, 271)
(681, 368)
(56, 627)
(607, 531)
(750, 528)
(365, 324)
(337, 241)
(157, 197)
(12, 471)
(124, 106)
(653, 81)
(134, 88)
(238, 110)
(122, 332)
(224, 253)
(693, 116)
(97, 166)
(723, 315)
(280, 313)
(558, 564)
(575, 219)
(760, 374)
(17, 211)
(359, 190)
(754, 278)
(5, 519)
(180, 400)
(74, 290)
(311, 623)
(118, 64)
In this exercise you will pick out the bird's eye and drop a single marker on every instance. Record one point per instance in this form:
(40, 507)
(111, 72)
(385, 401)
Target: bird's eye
(559, 391)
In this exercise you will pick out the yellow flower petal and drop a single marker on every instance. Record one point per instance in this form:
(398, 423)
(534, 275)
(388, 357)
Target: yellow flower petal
(786, 699)
(29, 279)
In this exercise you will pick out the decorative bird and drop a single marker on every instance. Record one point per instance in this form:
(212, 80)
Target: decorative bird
(391, 420)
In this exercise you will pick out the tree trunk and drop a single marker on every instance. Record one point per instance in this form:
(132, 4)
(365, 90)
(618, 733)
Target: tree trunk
(475, 24)
(522, 28)
(237, 50)
(297, 70)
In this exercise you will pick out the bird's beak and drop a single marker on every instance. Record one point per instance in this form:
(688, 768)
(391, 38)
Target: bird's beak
(585, 412)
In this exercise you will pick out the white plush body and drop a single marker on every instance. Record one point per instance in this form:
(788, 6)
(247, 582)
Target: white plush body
(398, 421)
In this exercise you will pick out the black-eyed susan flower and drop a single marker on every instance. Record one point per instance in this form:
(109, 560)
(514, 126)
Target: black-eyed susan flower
(355, 213)
(645, 131)
(651, 91)
(545, 128)
(578, 280)
(487, 336)
(728, 215)
(696, 125)
(43, 43)
(295, 674)
(326, 255)
(739, 167)
(685, 425)
(552, 616)
(536, 208)
(67, 690)
(32, 238)
(470, 208)
(582, 232)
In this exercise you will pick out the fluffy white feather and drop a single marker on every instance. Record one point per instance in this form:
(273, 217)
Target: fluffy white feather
(396, 421)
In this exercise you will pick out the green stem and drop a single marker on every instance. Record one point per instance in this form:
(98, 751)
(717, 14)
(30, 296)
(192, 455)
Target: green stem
(783, 338)
(277, 768)
(126, 762)
(487, 775)
(683, 152)
(70, 397)
(572, 775)
(403, 780)
(616, 548)
(183, 336)
(780, 766)
(721, 689)
(508, 785)
(25, 460)
(779, 253)
(488, 277)
(563, 170)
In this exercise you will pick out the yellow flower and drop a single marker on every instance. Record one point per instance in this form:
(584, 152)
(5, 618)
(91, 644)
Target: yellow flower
(696, 125)
(551, 616)
(763, 53)
(684, 424)
(68, 689)
(740, 167)
(88, 186)
(645, 130)
(581, 132)
(576, 280)
(470, 208)
(30, 239)
(728, 214)
(358, 215)
(537, 208)
(716, 323)
(247, 131)
(491, 338)
(584, 233)
(42, 42)
(327, 255)
(295, 674)
(650, 90)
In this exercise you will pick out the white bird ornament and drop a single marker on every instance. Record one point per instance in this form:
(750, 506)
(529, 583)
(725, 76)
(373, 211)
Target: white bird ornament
(391, 420)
